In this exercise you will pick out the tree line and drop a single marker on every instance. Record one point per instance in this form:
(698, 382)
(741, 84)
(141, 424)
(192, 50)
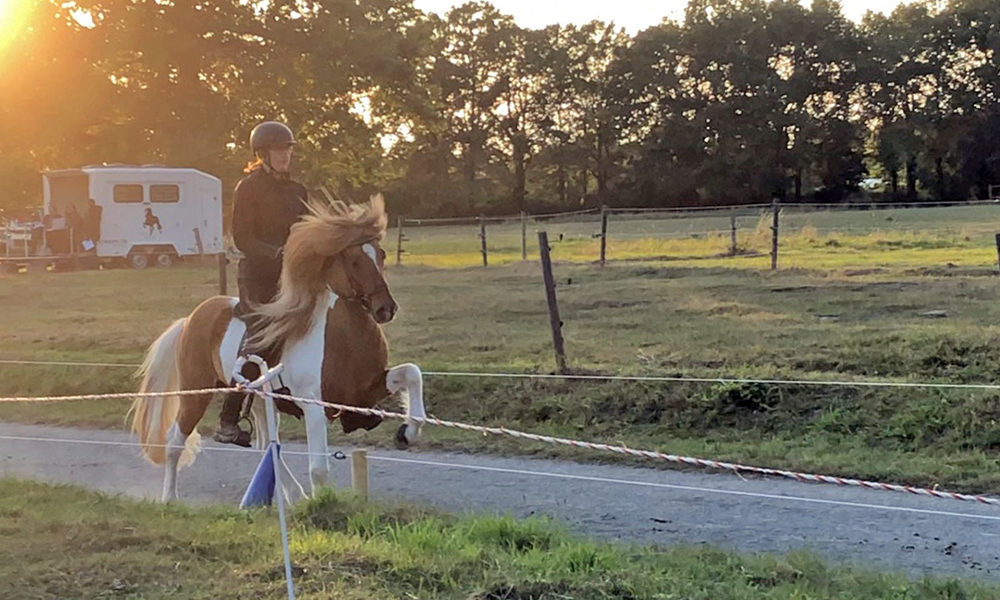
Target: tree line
(468, 113)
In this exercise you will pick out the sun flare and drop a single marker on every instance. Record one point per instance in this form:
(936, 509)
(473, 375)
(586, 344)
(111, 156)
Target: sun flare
(13, 14)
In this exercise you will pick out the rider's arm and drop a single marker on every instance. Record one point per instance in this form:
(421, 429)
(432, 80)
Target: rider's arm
(245, 208)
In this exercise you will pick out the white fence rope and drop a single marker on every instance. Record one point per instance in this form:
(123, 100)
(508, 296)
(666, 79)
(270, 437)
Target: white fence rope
(657, 378)
(63, 363)
(497, 219)
(624, 210)
(568, 377)
(118, 395)
(690, 209)
(671, 486)
(337, 455)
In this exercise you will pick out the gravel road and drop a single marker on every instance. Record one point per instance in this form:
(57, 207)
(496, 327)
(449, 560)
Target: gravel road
(882, 530)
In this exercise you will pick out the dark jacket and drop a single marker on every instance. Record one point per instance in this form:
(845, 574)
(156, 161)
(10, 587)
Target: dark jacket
(264, 211)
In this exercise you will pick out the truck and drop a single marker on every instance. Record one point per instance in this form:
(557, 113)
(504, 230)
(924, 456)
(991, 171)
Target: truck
(128, 215)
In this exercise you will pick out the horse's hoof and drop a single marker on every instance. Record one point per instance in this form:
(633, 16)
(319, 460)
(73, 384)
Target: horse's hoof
(401, 442)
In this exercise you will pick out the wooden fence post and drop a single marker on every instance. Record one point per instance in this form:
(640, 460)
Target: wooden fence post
(359, 472)
(550, 296)
(732, 225)
(998, 248)
(197, 242)
(223, 273)
(604, 233)
(399, 240)
(482, 240)
(524, 236)
(73, 258)
(775, 209)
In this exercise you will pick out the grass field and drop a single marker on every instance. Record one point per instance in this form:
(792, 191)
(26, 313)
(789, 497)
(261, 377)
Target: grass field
(892, 304)
(817, 239)
(62, 542)
(642, 318)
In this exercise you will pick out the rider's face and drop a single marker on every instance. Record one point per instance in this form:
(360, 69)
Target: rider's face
(281, 157)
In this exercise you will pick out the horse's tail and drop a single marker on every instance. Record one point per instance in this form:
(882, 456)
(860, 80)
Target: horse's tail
(152, 416)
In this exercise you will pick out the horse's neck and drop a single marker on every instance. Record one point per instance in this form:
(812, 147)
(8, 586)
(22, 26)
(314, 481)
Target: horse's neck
(321, 337)
(303, 357)
(314, 335)
(353, 337)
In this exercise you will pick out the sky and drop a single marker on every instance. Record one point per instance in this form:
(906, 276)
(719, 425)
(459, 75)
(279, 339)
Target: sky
(633, 15)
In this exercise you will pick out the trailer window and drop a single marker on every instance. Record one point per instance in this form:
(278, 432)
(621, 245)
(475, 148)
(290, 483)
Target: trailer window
(128, 193)
(164, 193)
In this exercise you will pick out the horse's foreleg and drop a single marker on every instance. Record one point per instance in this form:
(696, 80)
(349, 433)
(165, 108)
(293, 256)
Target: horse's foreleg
(408, 377)
(319, 462)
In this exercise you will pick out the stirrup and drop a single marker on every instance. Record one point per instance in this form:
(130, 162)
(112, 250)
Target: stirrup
(239, 438)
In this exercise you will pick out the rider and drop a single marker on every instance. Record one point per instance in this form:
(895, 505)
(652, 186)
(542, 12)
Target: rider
(268, 202)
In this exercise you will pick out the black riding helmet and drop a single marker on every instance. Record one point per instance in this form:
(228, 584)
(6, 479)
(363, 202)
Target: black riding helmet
(270, 133)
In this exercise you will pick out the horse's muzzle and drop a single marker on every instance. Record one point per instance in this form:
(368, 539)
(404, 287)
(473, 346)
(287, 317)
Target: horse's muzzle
(385, 312)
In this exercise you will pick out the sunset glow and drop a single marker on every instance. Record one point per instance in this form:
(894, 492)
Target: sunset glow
(13, 14)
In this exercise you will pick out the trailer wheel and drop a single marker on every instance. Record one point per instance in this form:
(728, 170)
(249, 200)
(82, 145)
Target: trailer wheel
(138, 260)
(164, 260)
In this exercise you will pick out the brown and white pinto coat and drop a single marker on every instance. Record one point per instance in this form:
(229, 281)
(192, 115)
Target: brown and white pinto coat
(327, 321)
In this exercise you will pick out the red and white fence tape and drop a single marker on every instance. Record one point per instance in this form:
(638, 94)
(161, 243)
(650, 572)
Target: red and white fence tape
(622, 449)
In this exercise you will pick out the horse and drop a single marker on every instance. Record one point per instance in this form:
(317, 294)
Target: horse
(327, 323)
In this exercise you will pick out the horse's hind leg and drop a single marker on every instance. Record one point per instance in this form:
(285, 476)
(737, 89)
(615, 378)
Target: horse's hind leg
(182, 436)
(175, 447)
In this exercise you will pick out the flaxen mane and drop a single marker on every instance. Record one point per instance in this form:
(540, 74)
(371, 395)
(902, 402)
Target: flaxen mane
(328, 230)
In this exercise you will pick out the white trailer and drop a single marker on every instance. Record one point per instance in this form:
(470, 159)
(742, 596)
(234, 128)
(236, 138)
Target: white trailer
(144, 215)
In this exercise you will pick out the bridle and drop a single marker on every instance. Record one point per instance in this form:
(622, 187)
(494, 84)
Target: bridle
(365, 299)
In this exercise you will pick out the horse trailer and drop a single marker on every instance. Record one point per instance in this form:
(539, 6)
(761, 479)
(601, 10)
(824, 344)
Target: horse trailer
(141, 215)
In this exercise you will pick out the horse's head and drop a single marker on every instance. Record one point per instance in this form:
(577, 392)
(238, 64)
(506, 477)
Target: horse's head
(334, 247)
(357, 273)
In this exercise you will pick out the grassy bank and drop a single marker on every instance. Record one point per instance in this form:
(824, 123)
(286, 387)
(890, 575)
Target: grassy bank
(61, 542)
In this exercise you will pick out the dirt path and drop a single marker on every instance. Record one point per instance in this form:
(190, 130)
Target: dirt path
(886, 531)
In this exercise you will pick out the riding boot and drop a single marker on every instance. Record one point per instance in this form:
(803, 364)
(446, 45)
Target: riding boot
(229, 431)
